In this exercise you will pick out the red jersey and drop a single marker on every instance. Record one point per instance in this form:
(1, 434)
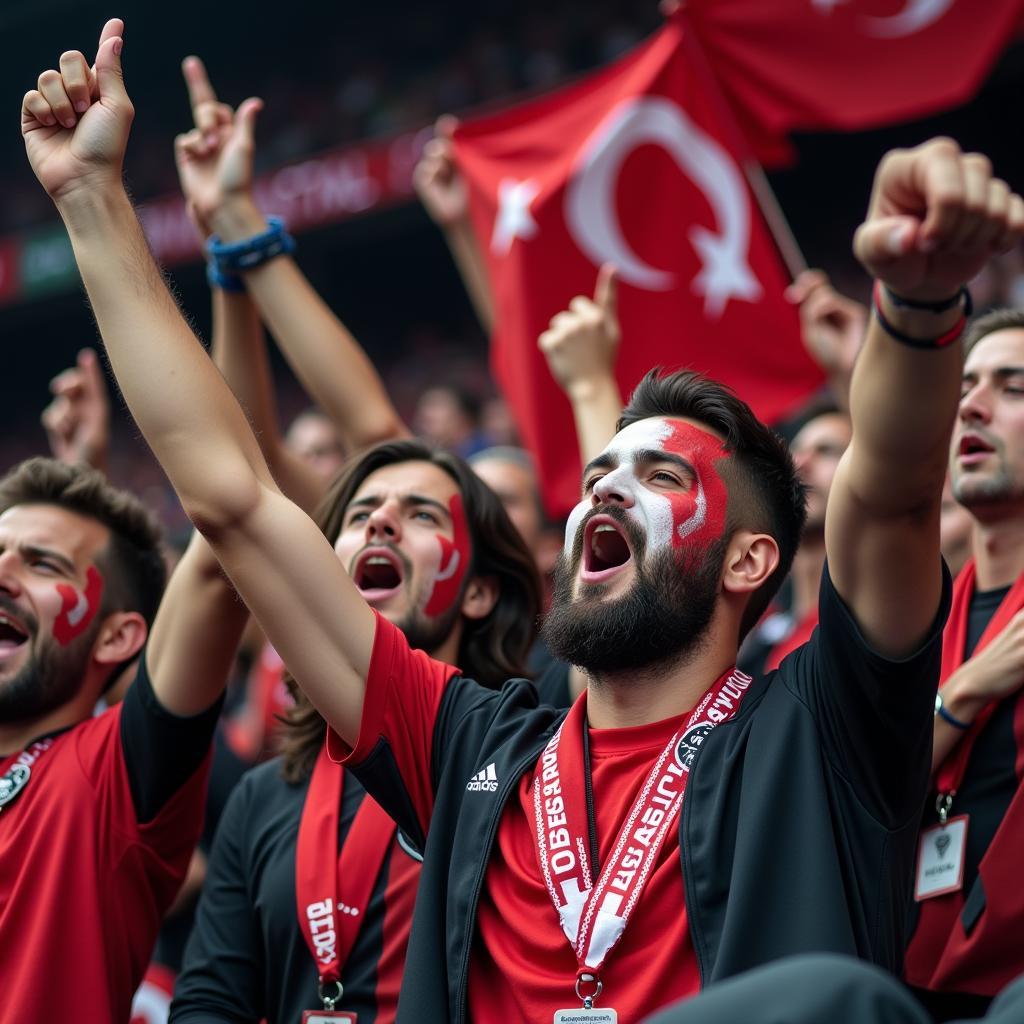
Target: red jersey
(84, 884)
(524, 959)
(524, 968)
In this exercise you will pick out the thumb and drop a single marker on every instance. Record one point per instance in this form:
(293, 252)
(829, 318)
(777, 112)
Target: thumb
(245, 120)
(883, 240)
(109, 76)
(606, 291)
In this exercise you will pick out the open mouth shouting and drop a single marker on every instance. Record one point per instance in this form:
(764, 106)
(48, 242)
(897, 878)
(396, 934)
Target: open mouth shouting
(606, 550)
(378, 573)
(973, 449)
(13, 634)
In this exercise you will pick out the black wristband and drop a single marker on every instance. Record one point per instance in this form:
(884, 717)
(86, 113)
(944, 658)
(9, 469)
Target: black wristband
(922, 343)
(961, 298)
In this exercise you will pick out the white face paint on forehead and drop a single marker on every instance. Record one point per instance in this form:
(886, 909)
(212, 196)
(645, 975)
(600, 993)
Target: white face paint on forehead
(666, 519)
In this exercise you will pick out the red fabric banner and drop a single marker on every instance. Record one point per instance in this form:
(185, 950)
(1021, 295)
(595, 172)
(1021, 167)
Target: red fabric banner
(847, 65)
(637, 165)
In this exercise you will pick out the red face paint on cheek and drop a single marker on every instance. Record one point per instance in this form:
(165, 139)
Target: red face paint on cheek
(78, 608)
(454, 563)
(698, 516)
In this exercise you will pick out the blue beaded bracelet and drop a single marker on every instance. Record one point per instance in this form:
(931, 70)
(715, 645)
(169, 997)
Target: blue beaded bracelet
(237, 257)
(225, 282)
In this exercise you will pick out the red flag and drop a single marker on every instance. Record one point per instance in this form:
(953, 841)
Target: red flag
(847, 65)
(637, 166)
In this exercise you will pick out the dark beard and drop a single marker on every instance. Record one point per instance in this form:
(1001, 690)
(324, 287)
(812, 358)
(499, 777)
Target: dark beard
(51, 677)
(661, 620)
(425, 633)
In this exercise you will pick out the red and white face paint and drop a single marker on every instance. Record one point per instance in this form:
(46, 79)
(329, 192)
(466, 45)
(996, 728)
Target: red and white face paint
(78, 608)
(667, 518)
(453, 565)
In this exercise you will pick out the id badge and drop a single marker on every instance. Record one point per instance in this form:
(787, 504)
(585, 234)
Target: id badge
(940, 859)
(327, 1016)
(579, 1015)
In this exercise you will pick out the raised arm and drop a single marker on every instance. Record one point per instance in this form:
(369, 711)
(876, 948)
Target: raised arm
(936, 215)
(328, 361)
(281, 564)
(205, 156)
(580, 346)
(442, 190)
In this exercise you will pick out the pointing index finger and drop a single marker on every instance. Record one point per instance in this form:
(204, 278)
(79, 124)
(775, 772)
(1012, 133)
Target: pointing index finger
(606, 289)
(198, 83)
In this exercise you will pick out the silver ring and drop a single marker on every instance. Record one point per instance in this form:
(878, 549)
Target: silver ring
(599, 986)
(329, 1001)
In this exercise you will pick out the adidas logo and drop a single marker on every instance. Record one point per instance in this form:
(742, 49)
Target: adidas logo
(485, 781)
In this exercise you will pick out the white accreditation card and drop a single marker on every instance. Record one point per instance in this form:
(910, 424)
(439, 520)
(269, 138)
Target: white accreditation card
(940, 859)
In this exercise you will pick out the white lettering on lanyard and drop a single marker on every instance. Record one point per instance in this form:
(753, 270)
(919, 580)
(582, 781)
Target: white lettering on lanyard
(321, 928)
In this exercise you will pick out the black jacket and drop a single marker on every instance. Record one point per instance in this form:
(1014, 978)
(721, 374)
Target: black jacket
(797, 834)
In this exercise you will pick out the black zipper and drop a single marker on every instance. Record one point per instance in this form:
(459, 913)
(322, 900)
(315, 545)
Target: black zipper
(511, 779)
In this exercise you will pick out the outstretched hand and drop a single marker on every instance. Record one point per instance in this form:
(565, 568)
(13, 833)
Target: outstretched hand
(215, 158)
(76, 122)
(936, 216)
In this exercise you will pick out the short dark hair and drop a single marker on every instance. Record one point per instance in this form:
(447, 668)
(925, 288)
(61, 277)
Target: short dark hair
(132, 563)
(765, 493)
(988, 323)
(492, 649)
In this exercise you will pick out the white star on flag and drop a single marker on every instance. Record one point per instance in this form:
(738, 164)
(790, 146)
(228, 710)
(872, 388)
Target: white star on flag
(724, 272)
(826, 6)
(514, 218)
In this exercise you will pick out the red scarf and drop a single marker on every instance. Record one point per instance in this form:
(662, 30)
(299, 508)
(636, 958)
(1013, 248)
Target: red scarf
(941, 956)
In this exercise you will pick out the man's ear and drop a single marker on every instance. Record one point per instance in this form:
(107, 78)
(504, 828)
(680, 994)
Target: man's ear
(120, 637)
(480, 597)
(749, 560)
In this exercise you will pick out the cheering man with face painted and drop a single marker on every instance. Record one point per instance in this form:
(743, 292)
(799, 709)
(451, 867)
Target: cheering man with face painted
(98, 815)
(565, 875)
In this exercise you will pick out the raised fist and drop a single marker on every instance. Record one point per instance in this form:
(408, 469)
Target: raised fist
(76, 122)
(437, 180)
(215, 159)
(582, 342)
(936, 216)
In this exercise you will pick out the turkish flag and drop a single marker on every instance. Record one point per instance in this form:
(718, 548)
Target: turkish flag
(638, 166)
(847, 65)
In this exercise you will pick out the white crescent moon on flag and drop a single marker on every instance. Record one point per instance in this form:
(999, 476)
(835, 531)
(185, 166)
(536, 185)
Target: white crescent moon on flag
(594, 223)
(918, 14)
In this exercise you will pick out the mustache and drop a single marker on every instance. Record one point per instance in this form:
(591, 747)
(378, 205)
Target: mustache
(26, 618)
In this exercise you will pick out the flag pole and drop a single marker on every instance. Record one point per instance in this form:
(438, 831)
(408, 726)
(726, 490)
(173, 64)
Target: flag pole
(785, 241)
